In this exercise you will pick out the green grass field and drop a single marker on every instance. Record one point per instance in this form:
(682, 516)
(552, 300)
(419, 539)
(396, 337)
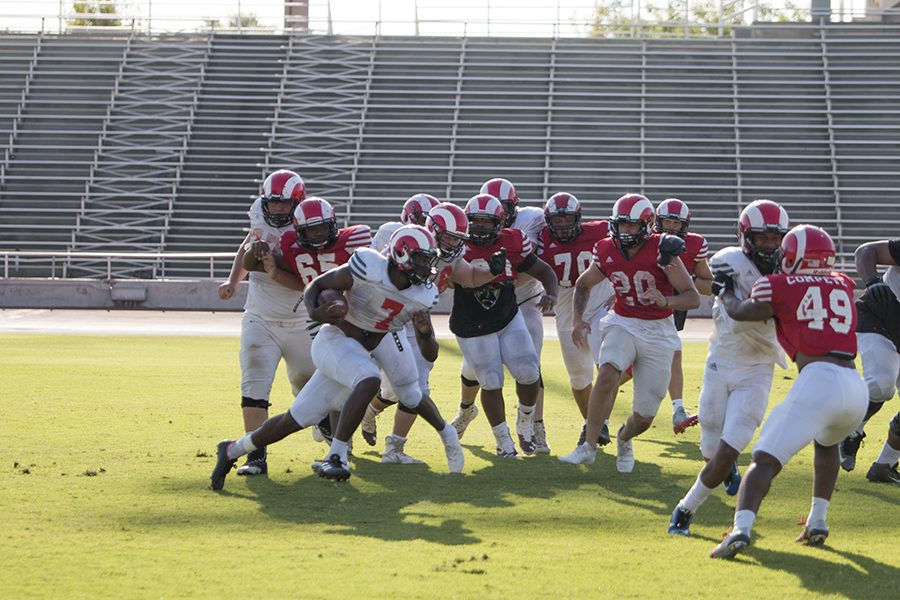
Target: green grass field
(107, 446)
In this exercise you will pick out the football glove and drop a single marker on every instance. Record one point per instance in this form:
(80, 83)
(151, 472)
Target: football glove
(879, 291)
(497, 262)
(670, 246)
(722, 282)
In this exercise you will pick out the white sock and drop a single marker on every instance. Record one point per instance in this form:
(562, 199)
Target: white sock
(501, 432)
(818, 511)
(743, 521)
(526, 411)
(696, 496)
(889, 456)
(447, 433)
(677, 403)
(340, 448)
(241, 447)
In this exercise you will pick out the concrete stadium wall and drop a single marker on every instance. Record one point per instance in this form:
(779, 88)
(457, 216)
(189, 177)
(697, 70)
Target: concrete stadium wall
(148, 295)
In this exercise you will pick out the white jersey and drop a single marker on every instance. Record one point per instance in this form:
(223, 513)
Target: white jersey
(600, 295)
(530, 221)
(742, 342)
(892, 279)
(267, 299)
(375, 303)
(384, 233)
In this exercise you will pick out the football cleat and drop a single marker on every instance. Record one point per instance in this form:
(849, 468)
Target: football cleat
(624, 454)
(540, 439)
(394, 454)
(322, 431)
(681, 521)
(814, 534)
(582, 455)
(848, 449)
(456, 460)
(602, 439)
(506, 449)
(681, 420)
(334, 468)
(462, 419)
(731, 545)
(883, 473)
(255, 464)
(223, 465)
(525, 433)
(732, 481)
(369, 427)
(316, 465)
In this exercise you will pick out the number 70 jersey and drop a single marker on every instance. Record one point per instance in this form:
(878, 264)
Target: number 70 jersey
(814, 314)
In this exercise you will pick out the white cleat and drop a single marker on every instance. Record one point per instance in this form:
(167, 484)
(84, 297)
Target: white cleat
(456, 460)
(624, 455)
(462, 419)
(394, 454)
(540, 439)
(506, 448)
(581, 455)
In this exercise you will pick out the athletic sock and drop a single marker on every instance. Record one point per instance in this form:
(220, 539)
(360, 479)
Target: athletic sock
(340, 448)
(677, 403)
(889, 456)
(818, 511)
(241, 447)
(743, 521)
(696, 496)
(501, 432)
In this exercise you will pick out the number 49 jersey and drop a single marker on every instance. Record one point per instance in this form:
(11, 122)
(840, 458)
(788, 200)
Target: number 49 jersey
(307, 263)
(814, 314)
(375, 303)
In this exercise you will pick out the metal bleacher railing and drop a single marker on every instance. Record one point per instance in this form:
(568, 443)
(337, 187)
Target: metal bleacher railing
(159, 144)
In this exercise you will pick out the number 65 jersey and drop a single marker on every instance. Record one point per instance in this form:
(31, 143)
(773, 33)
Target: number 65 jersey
(814, 314)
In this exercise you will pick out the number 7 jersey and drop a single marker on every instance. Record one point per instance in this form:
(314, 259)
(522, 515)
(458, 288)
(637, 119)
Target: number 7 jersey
(814, 314)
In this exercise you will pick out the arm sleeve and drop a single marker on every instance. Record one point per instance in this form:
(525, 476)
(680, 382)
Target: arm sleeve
(762, 290)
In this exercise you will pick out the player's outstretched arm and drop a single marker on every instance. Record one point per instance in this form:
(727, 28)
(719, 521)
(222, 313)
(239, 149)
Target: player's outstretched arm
(871, 254)
(467, 275)
(335, 279)
(226, 289)
(688, 297)
(545, 274)
(750, 309)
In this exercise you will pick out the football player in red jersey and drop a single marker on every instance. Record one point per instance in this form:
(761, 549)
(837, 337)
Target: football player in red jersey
(645, 273)
(489, 327)
(270, 330)
(878, 336)
(566, 244)
(311, 247)
(815, 320)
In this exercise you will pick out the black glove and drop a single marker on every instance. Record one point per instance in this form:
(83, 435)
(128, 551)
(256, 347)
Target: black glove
(879, 291)
(722, 282)
(497, 262)
(670, 246)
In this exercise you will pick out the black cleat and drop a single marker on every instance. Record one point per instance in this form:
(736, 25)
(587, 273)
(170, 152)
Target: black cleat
(324, 428)
(334, 468)
(223, 465)
(255, 465)
(602, 439)
(883, 473)
(848, 449)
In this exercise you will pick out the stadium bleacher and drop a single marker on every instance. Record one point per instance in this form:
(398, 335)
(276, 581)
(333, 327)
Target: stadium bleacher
(125, 142)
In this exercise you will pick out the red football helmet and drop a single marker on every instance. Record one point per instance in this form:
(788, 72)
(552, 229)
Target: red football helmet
(281, 186)
(309, 218)
(416, 209)
(761, 216)
(484, 206)
(413, 250)
(807, 249)
(505, 192)
(675, 209)
(450, 228)
(631, 208)
(563, 205)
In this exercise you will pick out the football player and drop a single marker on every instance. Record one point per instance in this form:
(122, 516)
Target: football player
(489, 327)
(815, 319)
(449, 225)
(566, 244)
(530, 221)
(414, 212)
(270, 330)
(741, 359)
(878, 335)
(645, 273)
(357, 341)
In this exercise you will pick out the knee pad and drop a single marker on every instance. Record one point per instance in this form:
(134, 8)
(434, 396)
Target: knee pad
(880, 391)
(895, 425)
(468, 382)
(408, 395)
(873, 408)
(406, 409)
(247, 402)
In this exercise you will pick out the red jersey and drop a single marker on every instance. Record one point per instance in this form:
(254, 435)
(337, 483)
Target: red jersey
(814, 314)
(571, 259)
(490, 308)
(695, 250)
(631, 278)
(308, 263)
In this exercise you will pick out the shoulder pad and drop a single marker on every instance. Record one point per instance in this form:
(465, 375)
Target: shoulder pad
(367, 264)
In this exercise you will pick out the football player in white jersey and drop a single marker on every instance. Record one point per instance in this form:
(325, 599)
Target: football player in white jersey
(414, 212)
(270, 329)
(355, 344)
(741, 360)
(529, 291)
(449, 225)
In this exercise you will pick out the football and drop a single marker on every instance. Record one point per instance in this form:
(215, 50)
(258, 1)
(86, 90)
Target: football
(335, 301)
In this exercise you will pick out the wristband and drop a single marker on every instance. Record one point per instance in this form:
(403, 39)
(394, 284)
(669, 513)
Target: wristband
(427, 334)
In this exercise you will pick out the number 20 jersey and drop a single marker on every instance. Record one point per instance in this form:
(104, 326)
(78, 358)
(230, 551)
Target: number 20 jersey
(631, 278)
(814, 314)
